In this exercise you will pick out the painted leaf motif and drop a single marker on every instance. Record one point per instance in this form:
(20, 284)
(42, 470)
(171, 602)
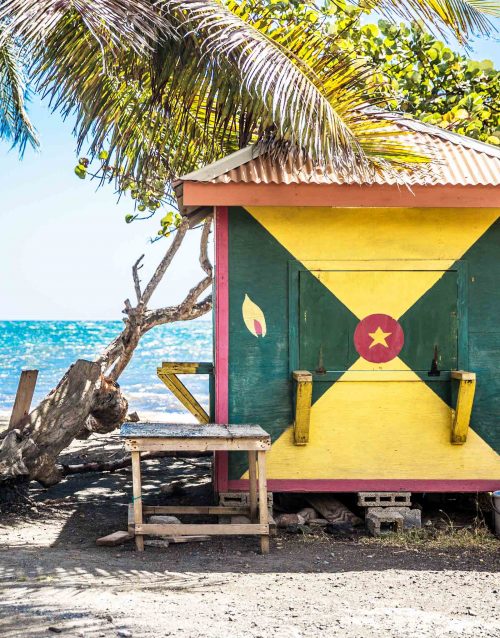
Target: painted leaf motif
(253, 317)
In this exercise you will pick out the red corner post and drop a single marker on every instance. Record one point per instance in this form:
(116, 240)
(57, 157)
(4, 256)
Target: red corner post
(221, 337)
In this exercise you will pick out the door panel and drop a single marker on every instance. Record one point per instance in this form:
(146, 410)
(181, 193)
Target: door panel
(347, 314)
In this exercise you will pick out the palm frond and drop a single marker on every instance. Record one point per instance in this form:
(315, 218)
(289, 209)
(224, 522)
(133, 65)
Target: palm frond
(214, 81)
(283, 86)
(462, 17)
(196, 98)
(134, 23)
(195, 76)
(15, 124)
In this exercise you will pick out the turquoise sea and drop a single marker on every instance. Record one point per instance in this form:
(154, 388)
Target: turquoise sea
(51, 347)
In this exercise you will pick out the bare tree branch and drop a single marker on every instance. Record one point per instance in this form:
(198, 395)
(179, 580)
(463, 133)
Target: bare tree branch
(100, 406)
(205, 234)
(140, 320)
(135, 275)
(169, 314)
(202, 285)
(165, 262)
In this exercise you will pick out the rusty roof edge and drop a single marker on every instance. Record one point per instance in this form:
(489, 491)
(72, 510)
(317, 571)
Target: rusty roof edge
(449, 136)
(241, 157)
(224, 165)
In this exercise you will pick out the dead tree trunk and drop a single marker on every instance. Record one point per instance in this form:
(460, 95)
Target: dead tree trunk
(33, 445)
(88, 398)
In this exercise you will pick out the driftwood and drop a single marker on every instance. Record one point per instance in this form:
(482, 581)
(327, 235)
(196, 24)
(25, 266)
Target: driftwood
(88, 398)
(31, 447)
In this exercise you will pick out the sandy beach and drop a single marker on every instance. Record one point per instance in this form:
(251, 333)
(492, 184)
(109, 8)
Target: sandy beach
(52, 574)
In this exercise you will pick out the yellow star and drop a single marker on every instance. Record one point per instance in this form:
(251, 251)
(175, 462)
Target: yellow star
(379, 337)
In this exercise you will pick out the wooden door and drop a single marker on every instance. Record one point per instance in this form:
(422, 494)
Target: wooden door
(399, 319)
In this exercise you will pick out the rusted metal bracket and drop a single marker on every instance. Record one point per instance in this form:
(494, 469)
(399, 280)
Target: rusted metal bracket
(303, 399)
(168, 374)
(465, 400)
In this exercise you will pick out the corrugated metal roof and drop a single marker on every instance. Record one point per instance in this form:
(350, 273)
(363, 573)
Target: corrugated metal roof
(456, 160)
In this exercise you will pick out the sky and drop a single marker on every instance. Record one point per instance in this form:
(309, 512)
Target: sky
(65, 250)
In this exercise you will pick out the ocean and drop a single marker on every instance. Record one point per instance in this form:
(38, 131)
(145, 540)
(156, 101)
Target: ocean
(52, 346)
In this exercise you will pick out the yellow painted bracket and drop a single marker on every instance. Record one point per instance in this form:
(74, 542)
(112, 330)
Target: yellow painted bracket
(465, 399)
(303, 399)
(168, 374)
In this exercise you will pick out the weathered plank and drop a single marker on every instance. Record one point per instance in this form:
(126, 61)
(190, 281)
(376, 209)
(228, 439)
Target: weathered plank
(194, 509)
(137, 496)
(263, 512)
(24, 396)
(180, 391)
(205, 444)
(252, 475)
(196, 529)
(177, 367)
(114, 539)
(192, 431)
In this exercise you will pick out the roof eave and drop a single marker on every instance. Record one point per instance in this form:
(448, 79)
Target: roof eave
(222, 166)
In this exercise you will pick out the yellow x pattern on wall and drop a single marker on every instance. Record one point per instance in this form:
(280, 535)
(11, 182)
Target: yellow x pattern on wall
(395, 427)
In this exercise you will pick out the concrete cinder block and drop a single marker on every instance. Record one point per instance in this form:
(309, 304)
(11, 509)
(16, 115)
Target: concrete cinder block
(411, 518)
(164, 520)
(384, 499)
(241, 499)
(378, 520)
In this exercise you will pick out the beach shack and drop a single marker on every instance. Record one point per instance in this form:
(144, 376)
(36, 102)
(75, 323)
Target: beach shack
(358, 322)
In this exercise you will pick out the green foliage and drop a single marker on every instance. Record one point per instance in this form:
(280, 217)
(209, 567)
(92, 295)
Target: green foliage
(413, 71)
(425, 78)
(170, 85)
(148, 196)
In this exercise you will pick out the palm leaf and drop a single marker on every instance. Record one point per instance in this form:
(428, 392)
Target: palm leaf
(220, 82)
(15, 124)
(280, 84)
(135, 23)
(462, 17)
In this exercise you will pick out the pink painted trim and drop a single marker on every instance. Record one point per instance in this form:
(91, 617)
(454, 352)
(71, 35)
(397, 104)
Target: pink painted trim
(373, 485)
(221, 337)
(339, 196)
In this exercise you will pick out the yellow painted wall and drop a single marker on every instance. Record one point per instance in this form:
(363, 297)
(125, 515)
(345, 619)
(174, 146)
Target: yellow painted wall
(379, 429)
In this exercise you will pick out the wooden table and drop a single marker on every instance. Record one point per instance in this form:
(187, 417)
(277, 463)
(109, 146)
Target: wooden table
(150, 437)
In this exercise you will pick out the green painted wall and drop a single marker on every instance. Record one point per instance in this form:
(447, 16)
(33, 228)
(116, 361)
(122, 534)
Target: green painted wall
(260, 390)
(259, 384)
(483, 262)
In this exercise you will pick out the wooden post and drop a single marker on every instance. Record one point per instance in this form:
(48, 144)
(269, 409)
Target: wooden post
(263, 514)
(252, 480)
(137, 496)
(303, 399)
(24, 395)
(463, 410)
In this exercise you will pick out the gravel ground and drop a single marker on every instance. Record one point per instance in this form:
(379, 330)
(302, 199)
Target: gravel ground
(54, 579)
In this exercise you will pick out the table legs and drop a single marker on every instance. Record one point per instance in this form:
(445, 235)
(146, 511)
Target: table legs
(257, 485)
(137, 497)
(252, 480)
(263, 513)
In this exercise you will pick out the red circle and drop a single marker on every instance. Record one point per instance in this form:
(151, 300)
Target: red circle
(378, 338)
